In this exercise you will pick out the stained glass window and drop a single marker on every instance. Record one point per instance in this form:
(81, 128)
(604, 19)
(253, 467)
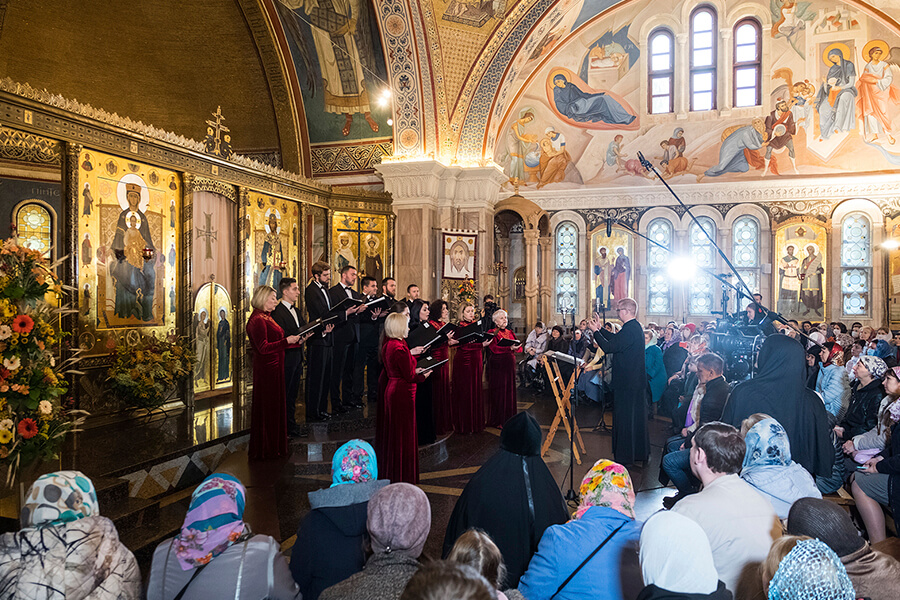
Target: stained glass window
(700, 292)
(566, 267)
(747, 63)
(35, 227)
(856, 264)
(662, 71)
(704, 38)
(659, 293)
(745, 254)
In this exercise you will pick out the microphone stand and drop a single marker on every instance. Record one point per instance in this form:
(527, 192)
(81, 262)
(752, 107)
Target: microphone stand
(601, 425)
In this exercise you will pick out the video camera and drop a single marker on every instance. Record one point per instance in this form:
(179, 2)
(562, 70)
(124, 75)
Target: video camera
(739, 345)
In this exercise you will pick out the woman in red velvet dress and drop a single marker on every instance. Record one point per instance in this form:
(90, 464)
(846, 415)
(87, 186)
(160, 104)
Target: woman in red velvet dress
(501, 373)
(268, 418)
(468, 403)
(398, 453)
(440, 381)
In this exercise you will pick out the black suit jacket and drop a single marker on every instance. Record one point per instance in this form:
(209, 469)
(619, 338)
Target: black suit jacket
(285, 320)
(317, 307)
(346, 331)
(369, 328)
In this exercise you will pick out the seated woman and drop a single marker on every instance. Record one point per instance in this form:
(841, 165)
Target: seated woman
(332, 536)
(496, 499)
(805, 569)
(476, 549)
(866, 445)
(66, 550)
(216, 555)
(677, 562)
(399, 519)
(605, 523)
(832, 382)
(447, 579)
(874, 575)
(769, 469)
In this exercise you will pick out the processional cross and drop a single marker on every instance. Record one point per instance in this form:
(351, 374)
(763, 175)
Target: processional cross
(208, 233)
(214, 140)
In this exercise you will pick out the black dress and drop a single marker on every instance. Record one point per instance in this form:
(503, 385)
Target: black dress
(424, 404)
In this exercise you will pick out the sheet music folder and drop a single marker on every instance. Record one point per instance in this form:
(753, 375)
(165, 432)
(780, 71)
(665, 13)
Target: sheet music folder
(313, 325)
(424, 335)
(470, 333)
(345, 304)
(430, 362)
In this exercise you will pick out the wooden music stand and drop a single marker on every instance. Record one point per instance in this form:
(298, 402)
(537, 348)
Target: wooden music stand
(562, 405)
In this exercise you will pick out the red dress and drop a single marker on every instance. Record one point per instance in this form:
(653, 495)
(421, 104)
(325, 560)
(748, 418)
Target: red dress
(440, 388)
(468, 403)
(398, 454)
(501, 379)
(268, 417)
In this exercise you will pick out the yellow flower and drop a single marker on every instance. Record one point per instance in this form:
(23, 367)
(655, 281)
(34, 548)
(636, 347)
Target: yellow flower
(6, 436)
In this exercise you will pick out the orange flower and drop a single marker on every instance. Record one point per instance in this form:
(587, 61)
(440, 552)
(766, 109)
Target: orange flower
(22, 324)
(27, 428)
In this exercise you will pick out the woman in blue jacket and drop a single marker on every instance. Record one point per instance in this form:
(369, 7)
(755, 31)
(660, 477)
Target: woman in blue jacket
(832, 382)
(656, 369)
(605, 520)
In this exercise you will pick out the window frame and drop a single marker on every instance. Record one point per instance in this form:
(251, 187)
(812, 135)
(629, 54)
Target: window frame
(654, 270)
(668, 73)
(755, 269)
(706, 243)
(756, 64)
(558, 271)
(714, 67)
(868, 268)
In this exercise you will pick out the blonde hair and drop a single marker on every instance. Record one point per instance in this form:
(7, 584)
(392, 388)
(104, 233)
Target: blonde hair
(748, 423)
(463, 308)
(260, 296)
(779, 549)
(396, 326)
(476, 549)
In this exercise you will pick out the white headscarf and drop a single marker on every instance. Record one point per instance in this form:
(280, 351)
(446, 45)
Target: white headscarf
(675, 555)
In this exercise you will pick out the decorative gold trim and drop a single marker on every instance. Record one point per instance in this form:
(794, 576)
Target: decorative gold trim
(197, 183)
(20, 146)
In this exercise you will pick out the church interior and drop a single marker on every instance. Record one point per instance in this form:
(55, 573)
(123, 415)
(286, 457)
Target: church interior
(196, 150)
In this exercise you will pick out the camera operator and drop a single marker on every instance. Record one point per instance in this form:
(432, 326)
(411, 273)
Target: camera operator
(758, 317)
(490, 307)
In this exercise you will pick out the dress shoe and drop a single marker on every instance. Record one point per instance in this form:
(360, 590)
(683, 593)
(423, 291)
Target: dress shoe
(339, 409)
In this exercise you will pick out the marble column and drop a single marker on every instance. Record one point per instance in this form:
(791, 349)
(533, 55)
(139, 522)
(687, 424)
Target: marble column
(546, 280)
(503, 287)
(531, 276)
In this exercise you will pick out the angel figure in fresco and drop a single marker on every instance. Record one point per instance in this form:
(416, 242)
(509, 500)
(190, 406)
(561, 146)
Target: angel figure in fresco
(877, 90)
(837, 95)
(789, 18)
(583, 107)
(272, 256)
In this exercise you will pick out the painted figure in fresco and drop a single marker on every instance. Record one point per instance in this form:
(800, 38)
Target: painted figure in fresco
(672, 162)
(223, 347)
(554, 157)
(789, 275)
(519, 144)
(134, 275)
(610, 55)
(344, 254)
(88, 200)
(780, 130)
(201, 346)
(835, 101)
(272, 256)
(87, 254)
(172, 208)
(620, 274)
(173, 186)
(803, 101)
(602, 266)
(876, 90)
(677, 141)
(172, 300)
(87, 165)
(789, 18)
(811, 271)
(86, 308)
(459, 260)
(614, 155)
(172, 254)
(374, 266)
(584, 107)
(735, 140)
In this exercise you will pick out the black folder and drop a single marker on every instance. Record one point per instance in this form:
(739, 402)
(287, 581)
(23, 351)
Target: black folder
(506, 343)
(379, 302)
(345, 304)
(470, 333)
(313, 325)
(429, 362)
(424, 335)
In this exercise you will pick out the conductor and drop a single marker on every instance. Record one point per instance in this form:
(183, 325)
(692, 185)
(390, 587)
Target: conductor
(630, 440)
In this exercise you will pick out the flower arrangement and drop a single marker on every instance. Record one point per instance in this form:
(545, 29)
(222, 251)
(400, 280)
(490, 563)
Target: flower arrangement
(466, 291)
(147, 374)
(34, 413)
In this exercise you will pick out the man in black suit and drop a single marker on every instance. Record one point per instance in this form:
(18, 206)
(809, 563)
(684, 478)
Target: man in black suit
(389, 288)
(319, 359)
(346, 338)
(412, 294)
(287, 315)
(370, 323)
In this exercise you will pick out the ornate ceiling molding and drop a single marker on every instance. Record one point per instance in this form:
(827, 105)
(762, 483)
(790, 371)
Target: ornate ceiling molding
(25, 147)
(204, 184)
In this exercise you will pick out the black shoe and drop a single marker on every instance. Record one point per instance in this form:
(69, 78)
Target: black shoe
(339, 409)
(357, 404)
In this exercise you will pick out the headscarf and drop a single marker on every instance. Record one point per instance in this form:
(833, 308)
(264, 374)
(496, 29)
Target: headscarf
(354, 462)
(652, 341)
(213, 521)
(816, 337)
(844, 339)
(835, 354)
(521, 435)
(60, 497)
(607, 484)
(826, 521)
(811, 571)
(767, 445)
(399, 519)
(675, 555)
(874, 365)
(676, 338)
(884, 350)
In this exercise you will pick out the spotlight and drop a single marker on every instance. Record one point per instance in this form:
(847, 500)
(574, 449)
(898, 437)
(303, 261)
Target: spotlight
(891, 244)
(386, 93)
(390, 122)
(682, 268)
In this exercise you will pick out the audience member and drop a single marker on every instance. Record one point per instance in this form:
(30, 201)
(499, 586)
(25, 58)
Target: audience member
(676, 561)
(66, 550)
(832, 381)
(865, 397)
(512, 497)
(216, 555)
(332, 536)
(535, 346)
(738, 521)
(656, 370)
(769, 469)
(447, 580)
(810, 571)
(604, 525)
(777, 552)
(781, 372)
(866, 445)
(399, 519)
(885, 352)
(476, 549)
(874, 575)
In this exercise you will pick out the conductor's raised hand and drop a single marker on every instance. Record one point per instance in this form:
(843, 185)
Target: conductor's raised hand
(594, 324)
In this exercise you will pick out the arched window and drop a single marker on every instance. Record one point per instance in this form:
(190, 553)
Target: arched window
(35, 227)
(659, 293)
(566, 267)
(745, 254)
(704, 256)
(747, 63)
(856, 264)
(661, 84)
(703, 58)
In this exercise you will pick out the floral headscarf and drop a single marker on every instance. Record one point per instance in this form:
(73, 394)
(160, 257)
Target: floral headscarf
(59, 497)
(767, 445)
(607, 484)
(874, 365)
(354, 462)
(213, 522)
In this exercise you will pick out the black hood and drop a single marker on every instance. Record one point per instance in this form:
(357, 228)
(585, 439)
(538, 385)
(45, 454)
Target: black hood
(521, 435)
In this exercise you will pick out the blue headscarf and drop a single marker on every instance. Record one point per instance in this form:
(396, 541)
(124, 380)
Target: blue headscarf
(883, 350)
(354, 462)
(811, 571)
(214, 521)
(767, 445)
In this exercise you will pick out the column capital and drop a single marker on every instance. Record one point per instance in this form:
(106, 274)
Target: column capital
(433, 183)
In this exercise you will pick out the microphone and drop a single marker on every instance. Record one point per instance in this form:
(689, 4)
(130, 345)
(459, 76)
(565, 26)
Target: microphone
(644, 162)
(609, 224)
